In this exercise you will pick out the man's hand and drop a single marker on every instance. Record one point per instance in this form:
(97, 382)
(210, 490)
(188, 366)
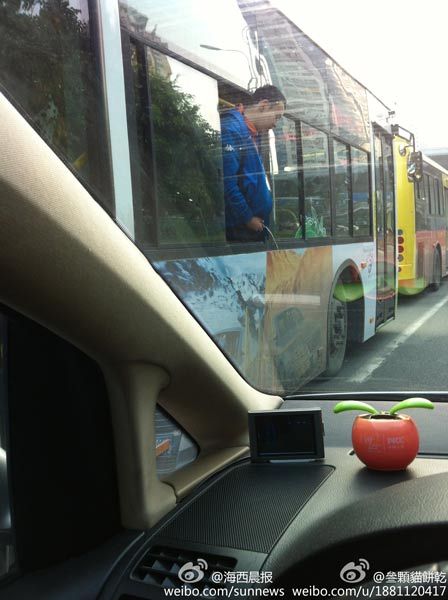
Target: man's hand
(256, 224)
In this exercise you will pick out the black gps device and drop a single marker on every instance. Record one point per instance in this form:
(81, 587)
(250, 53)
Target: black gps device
(288, 434)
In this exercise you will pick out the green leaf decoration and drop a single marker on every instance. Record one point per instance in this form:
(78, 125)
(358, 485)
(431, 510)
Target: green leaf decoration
(354, 405)
(411, 403)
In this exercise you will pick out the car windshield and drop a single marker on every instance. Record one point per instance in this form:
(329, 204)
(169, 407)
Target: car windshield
(222, 224)
(283, 166)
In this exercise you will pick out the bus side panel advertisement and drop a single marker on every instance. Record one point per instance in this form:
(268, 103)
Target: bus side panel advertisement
(363, 256)
(266, 310)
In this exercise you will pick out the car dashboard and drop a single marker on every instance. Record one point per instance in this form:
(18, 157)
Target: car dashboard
(284, 524)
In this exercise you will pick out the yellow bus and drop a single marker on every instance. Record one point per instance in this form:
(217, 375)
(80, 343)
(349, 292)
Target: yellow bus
(422, 194)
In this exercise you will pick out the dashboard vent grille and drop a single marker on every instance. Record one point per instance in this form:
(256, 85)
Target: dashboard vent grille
(160, 566)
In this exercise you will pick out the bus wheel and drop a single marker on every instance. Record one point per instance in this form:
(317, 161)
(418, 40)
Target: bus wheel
(436, 272)
(337, 336)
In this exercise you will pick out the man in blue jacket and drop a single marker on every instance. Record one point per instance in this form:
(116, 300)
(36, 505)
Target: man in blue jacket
(248, 199)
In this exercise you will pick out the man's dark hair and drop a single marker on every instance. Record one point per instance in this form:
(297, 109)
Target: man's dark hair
(268, 92)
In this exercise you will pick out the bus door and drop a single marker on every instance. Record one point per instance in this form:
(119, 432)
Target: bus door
(385, 227)
(445, 198)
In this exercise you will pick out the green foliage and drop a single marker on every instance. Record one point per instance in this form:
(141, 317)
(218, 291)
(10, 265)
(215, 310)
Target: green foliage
(189, 165)
(44, 65)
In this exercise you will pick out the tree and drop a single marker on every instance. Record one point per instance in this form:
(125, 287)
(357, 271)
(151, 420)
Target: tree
(189, 163)
(46, 66)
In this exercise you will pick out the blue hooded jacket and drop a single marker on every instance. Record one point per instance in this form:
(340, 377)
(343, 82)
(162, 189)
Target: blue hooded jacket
(246, 190)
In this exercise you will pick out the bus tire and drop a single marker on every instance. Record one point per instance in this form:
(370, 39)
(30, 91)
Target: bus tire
(436, 272)
(337, 333)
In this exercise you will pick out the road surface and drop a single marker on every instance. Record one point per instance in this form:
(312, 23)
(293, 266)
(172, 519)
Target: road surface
(407, 354)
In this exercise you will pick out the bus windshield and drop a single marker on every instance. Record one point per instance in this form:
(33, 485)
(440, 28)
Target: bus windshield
(296, 212)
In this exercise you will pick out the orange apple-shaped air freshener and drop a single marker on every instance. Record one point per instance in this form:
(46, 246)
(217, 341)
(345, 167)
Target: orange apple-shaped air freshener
(385, 441)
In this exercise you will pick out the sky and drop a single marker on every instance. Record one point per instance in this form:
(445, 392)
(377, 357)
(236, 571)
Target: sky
(396, 48)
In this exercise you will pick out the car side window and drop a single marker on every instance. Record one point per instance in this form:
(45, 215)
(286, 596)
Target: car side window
(49, 69)
(174, 447)
(56, 433)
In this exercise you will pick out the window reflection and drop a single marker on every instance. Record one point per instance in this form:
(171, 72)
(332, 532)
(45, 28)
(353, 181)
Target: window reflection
(189, 29)
(360, 189)
(388, 191)
(432, 196)
(439, 205)
(316, 181)
(426, 192)
(296, 66)
(174, 448)
(342, 189)
(420, 212)
(48, 67)
(349, 112)
(187, 151)
(286, 181)
(318, 91)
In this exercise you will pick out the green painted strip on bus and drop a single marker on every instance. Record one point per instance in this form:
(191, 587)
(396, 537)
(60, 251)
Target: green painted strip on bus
(417, 288)
(348, 292)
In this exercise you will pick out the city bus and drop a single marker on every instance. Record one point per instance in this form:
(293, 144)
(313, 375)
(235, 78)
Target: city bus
(132, 101)
(421, 217)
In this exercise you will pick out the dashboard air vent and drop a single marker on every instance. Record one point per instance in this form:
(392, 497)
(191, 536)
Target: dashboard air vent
(161, 565)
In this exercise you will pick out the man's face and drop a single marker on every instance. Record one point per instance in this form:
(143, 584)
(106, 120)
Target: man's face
(268, 114)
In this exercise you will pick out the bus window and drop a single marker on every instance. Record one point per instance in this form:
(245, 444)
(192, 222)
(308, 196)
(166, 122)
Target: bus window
(379, 188)
(361, 192)
(316, 180)
(286, 181)
(420, 213)
(438, 199)
(185, 147)
(202, 31)
(427, 196)
(49, 69)
(432, 196)
(389, 187)
(342, 189)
